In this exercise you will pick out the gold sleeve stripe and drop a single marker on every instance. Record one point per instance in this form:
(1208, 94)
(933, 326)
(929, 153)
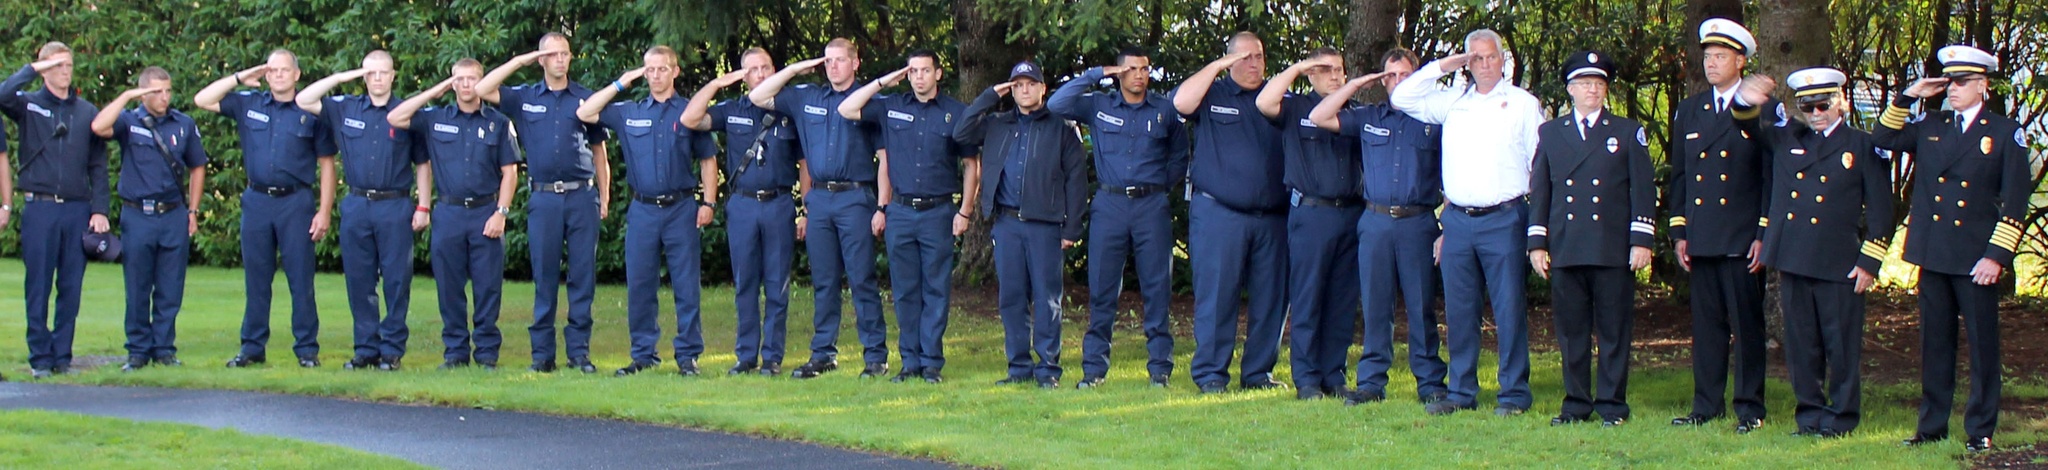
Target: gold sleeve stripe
(1764, 222)
(1894, 117)
(1874, 249)
(1747, 114)
(1678, 221)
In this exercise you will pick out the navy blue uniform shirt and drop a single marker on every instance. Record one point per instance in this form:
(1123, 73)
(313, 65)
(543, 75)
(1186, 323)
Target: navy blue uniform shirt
(373, 154)
(1319, 163)
(1237, 151)
(280, 142)
(924, 161)
(59, 154)
(774, 166)
(1135, 144)
(468, 150)
(1402, 156)
(836, 149)
(557, 143)
(661, 154)
(156, 151)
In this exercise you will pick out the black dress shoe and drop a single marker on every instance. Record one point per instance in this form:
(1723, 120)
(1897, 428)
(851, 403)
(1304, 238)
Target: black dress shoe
(38, 374)
(905, 376)
(1159, 380)
(244, 361)
(1363, 396)
(359, 362)
(1977, 444)
(452, 364)
(1745, 425)
(1694, 419)
(1505, 410)
(1446, 407)
(1262, 385)
(687, 367)
(1831, 433)
(1612, 421)
(771, 370)
(1434, 397)
(634, 368)
(814, 368)
(1333, 391)
(545, 367)
(1919, 439)
(1210, 388)
(1568, 418)
(308, 362)
(1048, 384)
(1807, 431)
(1015, 380)
(492, 366)
(169, 360)
(1308, 393)
(1091, 381)
(741, 368)
(135, 362)
(388, 365)
(583, 364)
(874, 369)
(933, 377)
(61, 369)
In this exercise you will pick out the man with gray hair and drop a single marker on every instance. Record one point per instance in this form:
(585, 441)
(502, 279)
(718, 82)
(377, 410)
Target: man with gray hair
(1489, 129)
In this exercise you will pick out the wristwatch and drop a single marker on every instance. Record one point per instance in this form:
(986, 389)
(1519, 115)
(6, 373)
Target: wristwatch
(503, 210)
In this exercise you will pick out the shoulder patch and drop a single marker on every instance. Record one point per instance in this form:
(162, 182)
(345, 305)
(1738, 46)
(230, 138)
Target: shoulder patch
(337, 99)
(803, 86)
(2020, 137)
(1782, 121)
(1642, 138)
(1916, 117)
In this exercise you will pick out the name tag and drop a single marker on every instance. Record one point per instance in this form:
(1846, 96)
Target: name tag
(902, 116)
(1108, 119)
(814, 110)
(1375, 130)
(1692, 136)
(533, 108)
(33, 108)
(639, 123)
(1798, 151)
(1227, 111)
(141, 131)
(447, 129)
(738, 120)
(260, 117)
(1307, 123)
(353, 123)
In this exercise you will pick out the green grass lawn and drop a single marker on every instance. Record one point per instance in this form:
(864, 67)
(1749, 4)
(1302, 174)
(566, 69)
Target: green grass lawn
(968, 420)
(45, 439)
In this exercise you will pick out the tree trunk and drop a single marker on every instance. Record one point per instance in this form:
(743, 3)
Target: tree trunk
(1375, 27)
(985, 59)
(1790, 35)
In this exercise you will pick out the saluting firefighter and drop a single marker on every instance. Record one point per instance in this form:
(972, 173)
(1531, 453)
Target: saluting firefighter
(1972, 173)
(1828, 226)
(1591, 186)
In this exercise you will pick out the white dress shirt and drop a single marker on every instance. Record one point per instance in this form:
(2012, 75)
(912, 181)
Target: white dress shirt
(1489, 139)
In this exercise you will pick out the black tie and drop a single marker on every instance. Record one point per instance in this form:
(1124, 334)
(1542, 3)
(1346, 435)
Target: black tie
(1586, 128)
(1720, 105)
(1962, 123)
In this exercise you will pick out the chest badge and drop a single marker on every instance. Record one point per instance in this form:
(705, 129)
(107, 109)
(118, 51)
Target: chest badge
(479, 133)
(1848, 160)
(1985, 145)
(1613, 145)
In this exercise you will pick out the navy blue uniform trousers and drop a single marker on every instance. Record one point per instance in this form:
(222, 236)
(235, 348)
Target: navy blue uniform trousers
(1394, 258)
(656, 236)
(1139, 230)
(1322, 292)
(50, 233)
(1234, 253)
(276, 233)
(921, 282)
(841, 239)
(376, 248)
(466, 259)
(761, 239)
(154, 251)
(1487, 253)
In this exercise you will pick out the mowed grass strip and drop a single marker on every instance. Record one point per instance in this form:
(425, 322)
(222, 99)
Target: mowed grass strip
(47, 439)
(967, 419)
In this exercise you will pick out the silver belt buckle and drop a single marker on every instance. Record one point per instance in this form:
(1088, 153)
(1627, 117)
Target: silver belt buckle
(148, 206)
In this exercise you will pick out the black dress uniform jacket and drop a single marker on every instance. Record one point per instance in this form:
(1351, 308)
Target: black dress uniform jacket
(1830, 199)
(1056, 169)
(1719, 175)
(1591, 199)
(1972, 186)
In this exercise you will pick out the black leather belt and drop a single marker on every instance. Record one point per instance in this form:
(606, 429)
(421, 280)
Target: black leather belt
(1479, 211)
(275, 191)
(1136, 191)
(1007, 211)
(380, 194)
(1312, 201)
(43, 197)
(923, 203)
(837, 186)
(471, 202)
(152, 206)
(762, 195)
(559, 187)
(665, 200)
(1397, 212)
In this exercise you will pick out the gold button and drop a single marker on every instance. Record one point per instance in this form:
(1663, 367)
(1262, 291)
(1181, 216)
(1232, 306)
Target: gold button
(1795, 195)
(1724, 177)
(1937, 199)
(1724, 154)
(1959, 203)
(1596, 199)
(1823, 178)
(1819, 198)
(1567, 182)
(1801, 175)
(1788, 216)
(1699, 177)
(1724, 201)
(1943, 179)
(1814, 221)
(1596, 182)
(1567, 199)
(1699, 202)
(1937, 217)
(1959, 223)
(1965, 183)
(1703, 155)
(1568, 216)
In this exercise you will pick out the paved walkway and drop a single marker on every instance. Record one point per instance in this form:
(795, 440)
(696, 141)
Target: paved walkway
(445, 437)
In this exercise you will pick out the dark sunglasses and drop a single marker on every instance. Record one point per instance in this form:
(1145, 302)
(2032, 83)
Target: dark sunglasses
(1819, 105)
